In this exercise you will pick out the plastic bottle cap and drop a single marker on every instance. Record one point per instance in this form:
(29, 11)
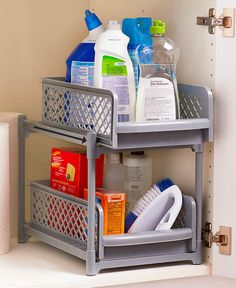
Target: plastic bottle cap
(158, 27)
(113, 25)
(91, 20)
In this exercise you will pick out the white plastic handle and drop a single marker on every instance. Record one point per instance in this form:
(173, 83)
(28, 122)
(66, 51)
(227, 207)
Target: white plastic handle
(163, 208)
(169, 218)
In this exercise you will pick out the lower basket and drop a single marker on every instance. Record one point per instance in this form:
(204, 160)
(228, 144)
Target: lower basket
(61, 220)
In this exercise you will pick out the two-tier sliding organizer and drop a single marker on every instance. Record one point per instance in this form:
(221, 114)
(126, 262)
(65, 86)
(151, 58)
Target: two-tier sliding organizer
(88, 116)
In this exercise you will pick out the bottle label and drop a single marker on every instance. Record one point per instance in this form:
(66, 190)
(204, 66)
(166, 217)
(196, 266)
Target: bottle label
(133, 185)
(115, 78)
(159, 95)
(82, 73)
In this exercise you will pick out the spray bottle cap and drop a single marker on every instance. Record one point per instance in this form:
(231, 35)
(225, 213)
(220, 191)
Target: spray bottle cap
(113, 25)
(158, 27)
(91, 20)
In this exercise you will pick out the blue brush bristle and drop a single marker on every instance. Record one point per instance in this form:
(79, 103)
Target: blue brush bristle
(129, 220)
(164, 184)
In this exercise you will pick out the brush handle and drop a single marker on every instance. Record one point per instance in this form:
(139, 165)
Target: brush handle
(169, 218)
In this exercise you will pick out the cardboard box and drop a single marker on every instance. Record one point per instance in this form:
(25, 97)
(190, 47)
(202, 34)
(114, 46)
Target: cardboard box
(113, 204)
(69, 171)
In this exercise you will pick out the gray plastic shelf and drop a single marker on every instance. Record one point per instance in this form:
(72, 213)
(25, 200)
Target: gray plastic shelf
(82, 110)
(61, 220)
(88, 116)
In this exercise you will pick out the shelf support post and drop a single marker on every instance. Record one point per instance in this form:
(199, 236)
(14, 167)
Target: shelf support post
(198, 195)
(91, 155)
(22, 237)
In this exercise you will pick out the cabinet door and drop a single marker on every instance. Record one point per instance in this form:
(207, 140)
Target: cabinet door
(225, 144)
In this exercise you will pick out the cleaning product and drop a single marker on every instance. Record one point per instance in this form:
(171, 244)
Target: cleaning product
(138, 177)
(113, 173)
(138, 31)
(144, 201)
(113, 204)
(159, 212)
(158, 97)
(114, 71)
(80, 63)
(69, 170)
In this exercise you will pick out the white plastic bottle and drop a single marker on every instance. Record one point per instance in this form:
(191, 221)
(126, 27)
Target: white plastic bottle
(113, 173)
(138, 177)
(114, 71)
(158, 97)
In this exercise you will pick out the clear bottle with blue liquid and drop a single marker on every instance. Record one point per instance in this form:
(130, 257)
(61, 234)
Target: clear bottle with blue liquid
(80, 63)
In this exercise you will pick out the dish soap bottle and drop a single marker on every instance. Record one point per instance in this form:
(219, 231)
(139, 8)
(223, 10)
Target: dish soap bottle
(80, 63)
(113, 69)
(158, 97)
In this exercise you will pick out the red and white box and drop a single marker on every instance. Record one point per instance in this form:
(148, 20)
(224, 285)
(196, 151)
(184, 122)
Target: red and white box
(69, 171)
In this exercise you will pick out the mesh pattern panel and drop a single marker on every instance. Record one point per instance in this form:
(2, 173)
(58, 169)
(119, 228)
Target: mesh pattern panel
(77, 110)
(190, 106)
(60, 215)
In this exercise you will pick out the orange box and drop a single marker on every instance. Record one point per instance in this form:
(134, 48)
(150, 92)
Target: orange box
(113, 204)
(69, 171)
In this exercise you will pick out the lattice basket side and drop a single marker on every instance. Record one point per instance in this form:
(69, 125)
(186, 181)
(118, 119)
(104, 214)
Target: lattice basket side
(68, 106)
(195, 101)
(60, 215)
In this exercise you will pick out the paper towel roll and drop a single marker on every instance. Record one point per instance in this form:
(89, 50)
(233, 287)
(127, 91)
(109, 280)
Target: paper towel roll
(4, 189)
(12, 119)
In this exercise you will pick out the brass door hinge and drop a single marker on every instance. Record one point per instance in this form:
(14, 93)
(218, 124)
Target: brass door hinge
(222, 238)
(225, 21)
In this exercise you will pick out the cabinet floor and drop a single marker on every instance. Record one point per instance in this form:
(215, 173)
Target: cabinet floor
(38, 265)
(193, 282)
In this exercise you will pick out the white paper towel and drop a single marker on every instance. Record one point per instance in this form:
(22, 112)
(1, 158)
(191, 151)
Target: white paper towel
(12, 119)
(4, 189)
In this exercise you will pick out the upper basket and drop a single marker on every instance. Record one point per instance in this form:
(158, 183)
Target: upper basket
(82, 109)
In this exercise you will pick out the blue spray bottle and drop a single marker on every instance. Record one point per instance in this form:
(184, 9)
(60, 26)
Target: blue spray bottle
(138, 30)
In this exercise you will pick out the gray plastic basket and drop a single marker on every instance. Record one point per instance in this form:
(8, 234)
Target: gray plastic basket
(71, 111)
(84, 109)
(59, 214)
(64, 218)
(77, 108)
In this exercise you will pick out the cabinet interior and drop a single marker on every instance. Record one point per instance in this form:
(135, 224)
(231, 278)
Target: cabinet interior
(196, 65)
